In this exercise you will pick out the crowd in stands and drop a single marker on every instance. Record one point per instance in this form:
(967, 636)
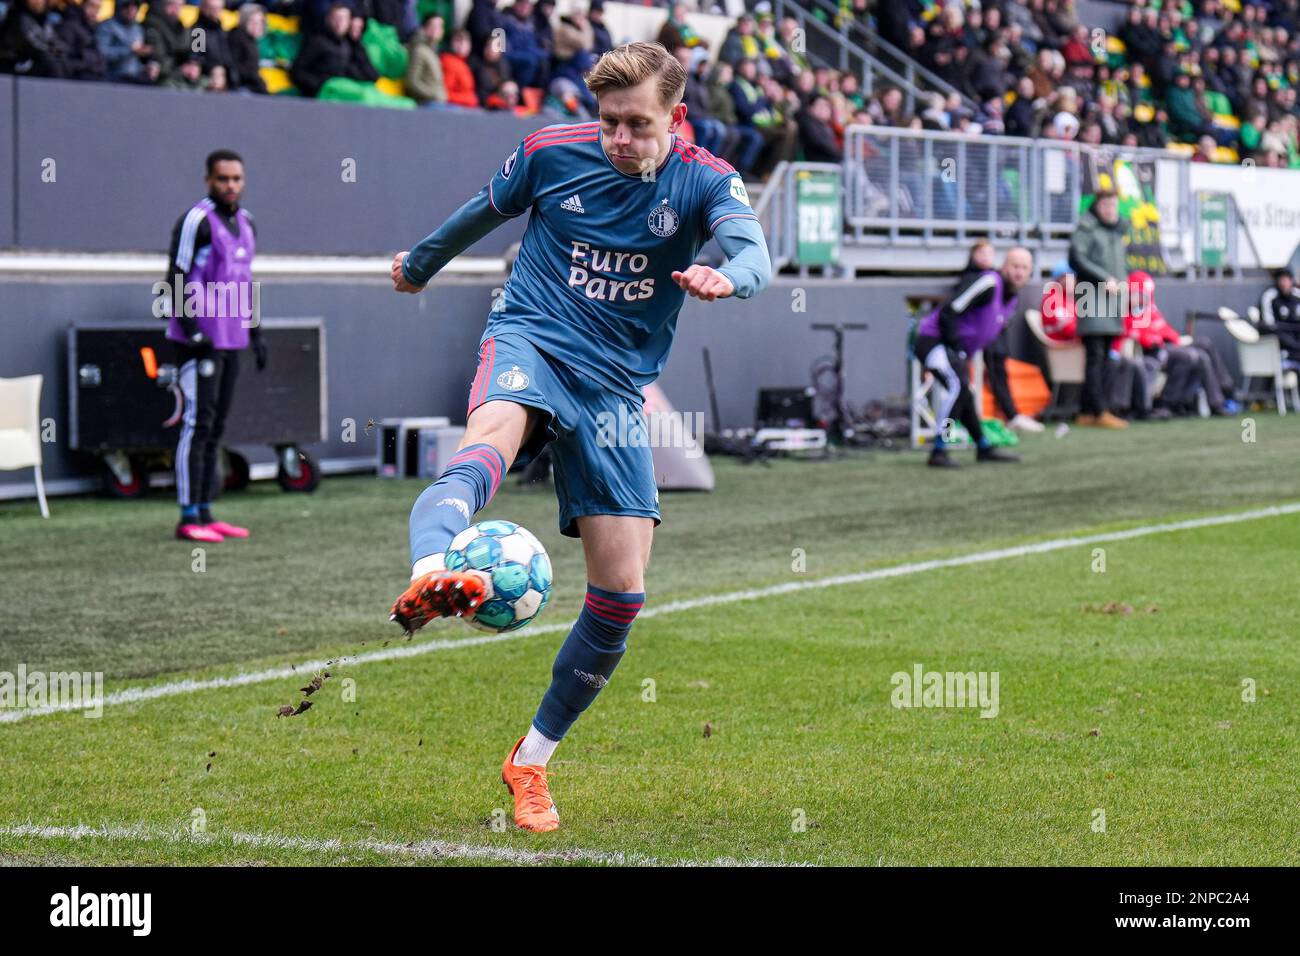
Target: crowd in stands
(1217, 77)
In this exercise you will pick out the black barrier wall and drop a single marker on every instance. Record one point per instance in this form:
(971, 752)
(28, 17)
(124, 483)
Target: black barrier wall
(394, 355)
(109, 168)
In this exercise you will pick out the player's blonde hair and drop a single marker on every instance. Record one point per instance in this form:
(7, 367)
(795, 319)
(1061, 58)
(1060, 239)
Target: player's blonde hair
(632, 64)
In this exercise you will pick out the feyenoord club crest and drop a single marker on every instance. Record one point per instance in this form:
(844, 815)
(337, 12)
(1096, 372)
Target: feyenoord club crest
(513, 379)
(663, 220)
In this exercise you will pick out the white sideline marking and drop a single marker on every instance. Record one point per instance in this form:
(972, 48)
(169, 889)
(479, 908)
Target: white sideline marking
(422, 849)
(136, 694)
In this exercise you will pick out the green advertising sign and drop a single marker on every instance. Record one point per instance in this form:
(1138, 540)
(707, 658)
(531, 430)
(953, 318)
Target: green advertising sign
(817, 211)
(1213, 226)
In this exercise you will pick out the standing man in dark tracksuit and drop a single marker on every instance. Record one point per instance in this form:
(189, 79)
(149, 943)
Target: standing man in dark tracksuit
(949, 337)
(211, 261)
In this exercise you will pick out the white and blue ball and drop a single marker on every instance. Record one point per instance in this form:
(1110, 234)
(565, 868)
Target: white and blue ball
(520, 570)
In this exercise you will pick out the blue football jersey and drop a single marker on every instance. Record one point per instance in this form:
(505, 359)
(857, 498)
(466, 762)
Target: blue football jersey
(592, 285)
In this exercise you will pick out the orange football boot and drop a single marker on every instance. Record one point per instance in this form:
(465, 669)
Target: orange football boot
(439, 594)
(534, 808)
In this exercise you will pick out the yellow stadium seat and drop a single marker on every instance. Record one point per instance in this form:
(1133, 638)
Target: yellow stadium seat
(275, 78)
(390, 86)
(1182, 149)
(1114, 44)
(1227, 121)
(1226, 154)
(281, 24)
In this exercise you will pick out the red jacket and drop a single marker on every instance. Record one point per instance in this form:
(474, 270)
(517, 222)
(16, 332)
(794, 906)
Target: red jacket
(1058, 313)
(1143, 320)
(458, 79)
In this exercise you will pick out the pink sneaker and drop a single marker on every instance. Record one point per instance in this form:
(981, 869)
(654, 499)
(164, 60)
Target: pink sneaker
(198, 532)
(227, 530)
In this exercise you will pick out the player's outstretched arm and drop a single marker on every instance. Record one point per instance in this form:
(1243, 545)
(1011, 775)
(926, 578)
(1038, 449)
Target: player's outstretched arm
(748, 268)
(411, 271)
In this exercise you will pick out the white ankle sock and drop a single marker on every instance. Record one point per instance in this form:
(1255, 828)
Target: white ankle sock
(430, 562)
(535, 750)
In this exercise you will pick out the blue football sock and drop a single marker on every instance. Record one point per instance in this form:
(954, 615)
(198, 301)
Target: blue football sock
(189, 514)
(587, 658)
(984, 442)
(447, 506)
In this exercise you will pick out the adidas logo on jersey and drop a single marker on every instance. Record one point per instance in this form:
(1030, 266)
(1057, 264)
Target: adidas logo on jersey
(573, 204)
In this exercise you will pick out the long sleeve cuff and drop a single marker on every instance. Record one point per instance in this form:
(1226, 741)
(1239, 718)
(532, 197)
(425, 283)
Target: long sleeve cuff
(748, 266)
(466, 226)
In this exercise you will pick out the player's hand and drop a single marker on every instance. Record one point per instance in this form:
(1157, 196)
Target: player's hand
(399, 280)
(704, 283)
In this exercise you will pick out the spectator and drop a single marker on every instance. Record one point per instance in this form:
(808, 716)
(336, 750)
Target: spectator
(245, 52)
(398, 14)
(424, 82)
(29, 44)
(485, 24)
(710, 133)
(572, 56)
(492, 71)
(457, 76)
(77, 31)
(815, 133)
(1098, 259)
(601, 40)
(748, 141)
(1187, 120)
(740, 44)
(127, 58)
(167, 37)
(793, 46)
(886, 108)
(186, 75)
(676, 32)
(543, 12)
(215, 49)
(326, 54)
(1021, 117)
(360, 67)
(523, 52)
(755, 111)
(506, 97)
(1205, 150)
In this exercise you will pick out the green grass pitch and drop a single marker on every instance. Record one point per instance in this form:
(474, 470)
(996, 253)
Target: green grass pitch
(1139, 716)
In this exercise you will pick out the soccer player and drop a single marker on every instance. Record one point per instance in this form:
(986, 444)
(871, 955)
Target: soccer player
(212, 245)
(946, 338)
(619, 209)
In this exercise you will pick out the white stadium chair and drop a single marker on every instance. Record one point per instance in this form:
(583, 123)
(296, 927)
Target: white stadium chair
(1065, 360)
(1260, 356)
(20, 429)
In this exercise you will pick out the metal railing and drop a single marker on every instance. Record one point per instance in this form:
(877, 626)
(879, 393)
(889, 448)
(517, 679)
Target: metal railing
(827, 46)
(918, 77)
(778, 213)
(937, 188)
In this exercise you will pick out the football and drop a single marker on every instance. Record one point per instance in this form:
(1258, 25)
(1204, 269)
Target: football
(520, 570)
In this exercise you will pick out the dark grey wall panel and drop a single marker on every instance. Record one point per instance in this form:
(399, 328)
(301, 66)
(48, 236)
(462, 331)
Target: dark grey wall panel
(7, 170)
(391, 355)
(130, 161)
